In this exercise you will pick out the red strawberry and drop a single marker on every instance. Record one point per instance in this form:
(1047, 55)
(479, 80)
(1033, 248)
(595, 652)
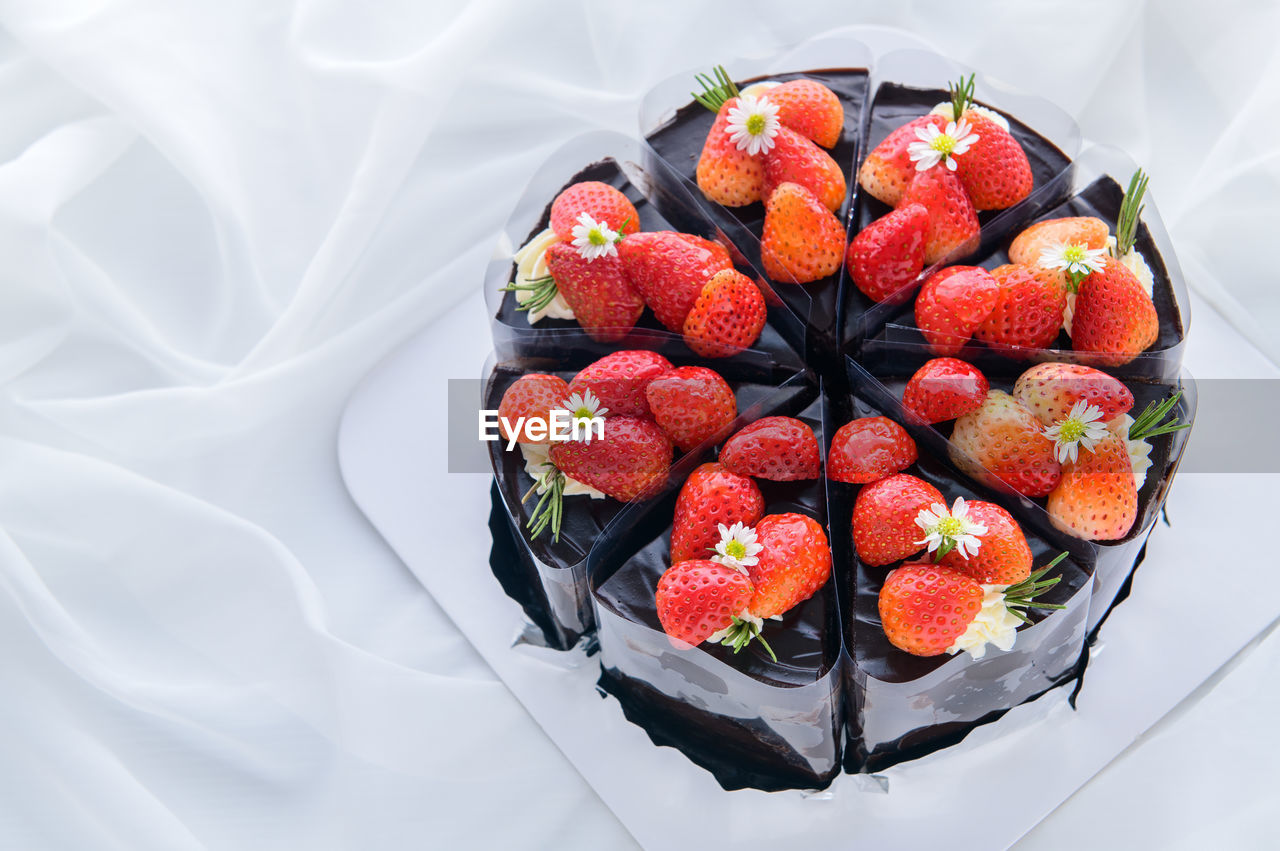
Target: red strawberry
(727, 317)
(604, 203)
(1003, 558)
(925, 608)
(794, 159)
(669, 269)
(712, 496)
(1050, 390)
(952, 303)
(809, 108)
(692, 404)
(1114, 315)
(725, 174)
(1097, 498)
(1085, 231)
(531, 396)
(953, 224)
(884, 518)
(1029, 310)
(781, 449)
(598, 291)
(802, 240)
(888, 254)
(628, 462)
(888, 170)
(795, 562)
(945, 388)
(995, 171)
(1003, 445)
(869, 448)
(619, 379)
(697, 599)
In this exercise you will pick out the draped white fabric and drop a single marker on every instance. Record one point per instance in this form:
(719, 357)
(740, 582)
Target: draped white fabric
(216, 216)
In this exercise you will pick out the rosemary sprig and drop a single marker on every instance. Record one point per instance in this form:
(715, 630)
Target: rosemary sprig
(1019, 597)
(961, 95)
(742, 633)
(1152, 423)
(1130, 210)
(715, 91)
(542, 291)
(549, 509)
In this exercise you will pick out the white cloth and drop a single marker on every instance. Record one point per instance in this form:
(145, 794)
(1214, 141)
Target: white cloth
(215, 217)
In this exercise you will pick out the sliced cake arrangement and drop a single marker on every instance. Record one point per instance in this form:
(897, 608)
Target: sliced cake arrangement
(884, 377)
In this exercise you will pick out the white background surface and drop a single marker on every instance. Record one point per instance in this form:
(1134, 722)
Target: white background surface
(214, 218)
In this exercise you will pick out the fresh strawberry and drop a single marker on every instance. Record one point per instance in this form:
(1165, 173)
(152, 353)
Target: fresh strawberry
(1003, 558)
(628, 462)
(781, 449)
(1028, 312)
(794, 159)
(888, 254)
(619, 379)
(1114, 315)
(884, 518)
(953, 224)
(710, 497)
(803, 241)
(1003, 445)
(530, 396)
(888, 170)
(952, 303)
(995, 171)
(1085, 231)
(809, 108)
(727, 316)
(725, 174)
(869, 448)
(795, 562)
(604, 203)
(692, 404)
(925, 608)
(598, 291)
(697, 599)
(1051, 390)
(1097, 498)
(669, 270)
(945, 388)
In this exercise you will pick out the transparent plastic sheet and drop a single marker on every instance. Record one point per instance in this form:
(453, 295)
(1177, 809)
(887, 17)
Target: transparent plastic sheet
(676, 127)
(748, 720)
(549, 578)
(910, 83)
(628, 165)
(903, 707)
(1093, 186)
(884, 371)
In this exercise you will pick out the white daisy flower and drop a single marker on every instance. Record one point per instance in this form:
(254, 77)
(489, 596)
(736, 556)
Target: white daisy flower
(594, 239)
(1082, 426)
(584, 408)
(945, 531)
(937, 146)
(737, 548)
(1078, 261)
(752, 124)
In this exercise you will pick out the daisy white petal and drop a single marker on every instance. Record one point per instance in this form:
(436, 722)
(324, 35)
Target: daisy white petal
(753, 124)
(945, 530)
(594, 239)
(1082, 426)
(738, 547)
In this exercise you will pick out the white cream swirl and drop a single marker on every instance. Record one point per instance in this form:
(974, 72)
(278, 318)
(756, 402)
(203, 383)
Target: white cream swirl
(531, 264)
(947, 109)
(536, 458)
(1139, 450)
(995, 624)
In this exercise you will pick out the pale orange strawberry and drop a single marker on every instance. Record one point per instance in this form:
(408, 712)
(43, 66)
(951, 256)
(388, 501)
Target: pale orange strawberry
(888, 170)
(725, 174)
(924, 607)
(1003, 445)
(802, 240)
(795, 159)
(953, 224)
(809, 108)
(1050, 390)
(1085, 231)
(1114, 315)
(1097, 498)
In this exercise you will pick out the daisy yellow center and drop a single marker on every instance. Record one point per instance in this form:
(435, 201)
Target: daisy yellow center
(755, 124)
(735, 549)
(595, 237)
(583, 413)
(1074, 253)
(949, 527)
(943, 144)
(1071, 429)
